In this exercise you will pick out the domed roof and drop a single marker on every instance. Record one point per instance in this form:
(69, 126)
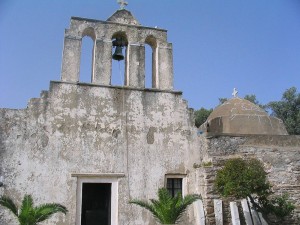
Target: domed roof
(239, 116)
(237, 106)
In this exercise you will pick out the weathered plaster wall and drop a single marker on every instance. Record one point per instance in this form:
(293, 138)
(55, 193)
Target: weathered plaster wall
(76, 128)
(279, 154)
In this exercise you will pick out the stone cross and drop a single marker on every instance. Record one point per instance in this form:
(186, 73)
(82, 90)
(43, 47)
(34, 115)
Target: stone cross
(234, 93)
(122, 4)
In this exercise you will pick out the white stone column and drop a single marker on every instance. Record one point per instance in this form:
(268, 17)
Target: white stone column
(246, 212)
(218, 211)
(102, 62)
(135, 65)
(235, 218)
(165, 67)
(199, 212)
(71, 59)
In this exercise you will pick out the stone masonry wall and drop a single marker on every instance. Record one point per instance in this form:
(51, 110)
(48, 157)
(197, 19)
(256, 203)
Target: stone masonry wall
(279, 154)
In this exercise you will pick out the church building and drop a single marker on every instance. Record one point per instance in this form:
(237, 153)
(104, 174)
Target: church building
(94, 146)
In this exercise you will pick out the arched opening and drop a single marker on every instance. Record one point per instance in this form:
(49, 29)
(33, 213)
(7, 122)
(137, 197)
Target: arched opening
(87, 55)
(148, 66)
(150, 62)
(119, 55)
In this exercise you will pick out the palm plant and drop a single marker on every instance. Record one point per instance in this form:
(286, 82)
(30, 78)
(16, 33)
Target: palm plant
(167, 209)
(28, 214)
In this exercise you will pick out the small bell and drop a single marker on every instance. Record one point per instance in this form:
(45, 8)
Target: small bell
(119, 43)
(118, 55)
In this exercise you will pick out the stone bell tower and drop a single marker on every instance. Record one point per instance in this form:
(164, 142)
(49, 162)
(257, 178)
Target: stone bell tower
(120, 26)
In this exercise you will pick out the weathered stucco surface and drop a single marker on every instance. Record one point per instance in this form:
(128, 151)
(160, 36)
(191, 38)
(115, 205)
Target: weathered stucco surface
(145, 134)
(77, 128)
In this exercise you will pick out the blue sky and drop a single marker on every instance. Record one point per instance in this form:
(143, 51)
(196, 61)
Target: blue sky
(218, 45)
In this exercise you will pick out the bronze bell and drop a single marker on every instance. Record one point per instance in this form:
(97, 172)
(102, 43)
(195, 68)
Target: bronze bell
(118, 55)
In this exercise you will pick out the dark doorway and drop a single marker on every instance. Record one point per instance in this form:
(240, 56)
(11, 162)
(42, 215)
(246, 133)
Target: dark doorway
(96, 204)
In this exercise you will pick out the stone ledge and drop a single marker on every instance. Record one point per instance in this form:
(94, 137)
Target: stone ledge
(286, 185)
(110, 22)
(97, 175)
(118, 87)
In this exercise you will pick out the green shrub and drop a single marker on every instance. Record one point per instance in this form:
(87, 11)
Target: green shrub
(247, 179)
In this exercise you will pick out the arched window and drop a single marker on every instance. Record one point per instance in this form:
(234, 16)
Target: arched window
(87, 55)
(150, 62)
(119, 59)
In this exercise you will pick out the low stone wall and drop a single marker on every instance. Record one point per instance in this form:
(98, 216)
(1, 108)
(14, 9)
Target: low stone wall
(280, 156)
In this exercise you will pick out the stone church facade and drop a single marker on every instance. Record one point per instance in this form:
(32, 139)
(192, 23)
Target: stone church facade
(93, 147)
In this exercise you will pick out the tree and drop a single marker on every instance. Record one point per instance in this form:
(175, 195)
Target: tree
(288, 110)
(247, 179)
(167, 209)
(222, 100)
(28, 214)
(201, 116)
(242, 178)
(250, 98)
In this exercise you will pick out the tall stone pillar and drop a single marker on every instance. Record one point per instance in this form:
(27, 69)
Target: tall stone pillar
(102, 62)
(71, 59)
(165, 67)
(135, 65)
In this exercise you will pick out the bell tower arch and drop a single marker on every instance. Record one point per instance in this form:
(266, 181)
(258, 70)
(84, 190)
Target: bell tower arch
(124, 34)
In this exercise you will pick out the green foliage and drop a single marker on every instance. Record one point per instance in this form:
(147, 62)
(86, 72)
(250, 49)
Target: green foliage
(9, 204)
(207, 164)
(288, 110)
(247, 179)
(276, 205)
(252, 98)
(167, 209)
(203, 164)
(28, 214)
(222, 100)
(240, 178)
(201, 116)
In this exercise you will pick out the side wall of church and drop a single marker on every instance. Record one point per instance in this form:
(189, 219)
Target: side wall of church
(279, 154)
(93, 129)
